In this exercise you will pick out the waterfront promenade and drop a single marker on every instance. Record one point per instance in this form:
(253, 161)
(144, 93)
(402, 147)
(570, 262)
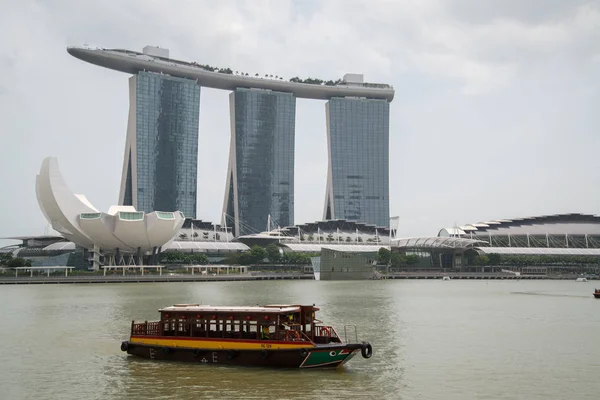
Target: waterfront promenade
(478, 275)
(258, 276)
(117, 278)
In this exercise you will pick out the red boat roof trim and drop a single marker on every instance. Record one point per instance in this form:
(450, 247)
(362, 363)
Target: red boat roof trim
(233, 309)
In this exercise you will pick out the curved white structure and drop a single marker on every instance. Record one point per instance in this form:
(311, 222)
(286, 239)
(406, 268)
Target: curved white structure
(132, 62)
(122, 228)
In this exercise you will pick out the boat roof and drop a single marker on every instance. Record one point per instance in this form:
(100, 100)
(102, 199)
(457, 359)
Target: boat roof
(269, 309)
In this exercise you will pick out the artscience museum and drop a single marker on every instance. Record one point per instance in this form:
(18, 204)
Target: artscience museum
(122, 235)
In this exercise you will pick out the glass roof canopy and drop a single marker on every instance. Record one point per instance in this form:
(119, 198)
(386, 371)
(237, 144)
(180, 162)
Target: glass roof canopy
(337, 247)
(435, 242)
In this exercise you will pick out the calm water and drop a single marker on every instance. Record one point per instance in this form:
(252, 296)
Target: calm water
(431, 340)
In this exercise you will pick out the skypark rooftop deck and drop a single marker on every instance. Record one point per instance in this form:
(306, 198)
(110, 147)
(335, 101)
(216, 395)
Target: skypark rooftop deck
(132, 62)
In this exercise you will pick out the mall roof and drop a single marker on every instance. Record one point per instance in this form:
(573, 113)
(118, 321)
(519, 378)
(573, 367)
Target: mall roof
(206, 246)
(337, 247)
(434, 243)
(34, 237)
(557, 224)
(60, 246)
(132, 62)
(539, 251)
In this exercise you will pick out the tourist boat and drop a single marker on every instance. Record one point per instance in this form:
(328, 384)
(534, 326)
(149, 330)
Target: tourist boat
(581, 280)
(597, 293)
(282, 336)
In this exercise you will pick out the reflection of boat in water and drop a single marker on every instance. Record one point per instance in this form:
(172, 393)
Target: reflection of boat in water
(446, 278)
(597, 293)
(581, 280)
(283, 336)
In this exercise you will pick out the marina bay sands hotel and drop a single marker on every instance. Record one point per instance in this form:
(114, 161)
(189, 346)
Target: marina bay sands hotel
(161, 150)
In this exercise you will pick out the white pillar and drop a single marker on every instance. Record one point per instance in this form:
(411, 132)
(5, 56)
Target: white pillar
(66, 271)
(48, 272)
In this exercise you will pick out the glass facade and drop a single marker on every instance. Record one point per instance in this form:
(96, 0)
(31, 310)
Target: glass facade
(358, 174)
(166, 144)
(262, 157)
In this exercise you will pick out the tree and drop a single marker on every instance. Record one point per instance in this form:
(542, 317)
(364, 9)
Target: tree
(481, 260)
(232, 258)
(384, 256)
(198, 259)
(330, 237)
(183, 236)
(195, 235)
(311, 237)
(398, 260)
(494, 259)
(296, 258)
(205, 235)
(258, 254)
(348, 239)
(412, 259)
(5, 258)
(18, 263)
(273, 253)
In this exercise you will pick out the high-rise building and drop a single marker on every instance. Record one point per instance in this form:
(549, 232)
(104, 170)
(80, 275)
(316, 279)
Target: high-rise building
(260, 177)
(161, 150)
(159, 169)
(358, 169)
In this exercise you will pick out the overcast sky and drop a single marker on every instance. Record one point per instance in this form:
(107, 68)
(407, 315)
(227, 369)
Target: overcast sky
(496, 113)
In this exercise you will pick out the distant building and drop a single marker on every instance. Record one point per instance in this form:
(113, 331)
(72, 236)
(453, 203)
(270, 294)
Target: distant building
(161, 150)
(336, 232)
(351, 263)
(160, 163)
(261, 160)
(46, 251)
(358, 169)
(550, 244)
(549, 231)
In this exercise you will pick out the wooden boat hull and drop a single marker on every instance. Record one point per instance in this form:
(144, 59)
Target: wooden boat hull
(321, 356)
(597, 295)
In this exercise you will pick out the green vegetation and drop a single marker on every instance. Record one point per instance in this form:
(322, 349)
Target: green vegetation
(270, 255)
(386, 257)
(8, 261)
(181, 258)
(315, 81)
(534, 260)
(273, 253)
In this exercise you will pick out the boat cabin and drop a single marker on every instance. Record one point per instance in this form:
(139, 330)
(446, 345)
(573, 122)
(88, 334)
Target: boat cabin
(294, 323)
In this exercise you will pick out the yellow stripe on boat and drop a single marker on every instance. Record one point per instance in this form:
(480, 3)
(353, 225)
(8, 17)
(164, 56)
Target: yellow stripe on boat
(217, 344)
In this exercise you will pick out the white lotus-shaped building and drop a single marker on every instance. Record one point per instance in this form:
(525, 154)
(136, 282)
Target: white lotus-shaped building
(121, 229)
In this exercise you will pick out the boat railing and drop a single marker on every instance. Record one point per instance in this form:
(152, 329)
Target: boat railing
(350, 328)
(327, 332)
(146, 328)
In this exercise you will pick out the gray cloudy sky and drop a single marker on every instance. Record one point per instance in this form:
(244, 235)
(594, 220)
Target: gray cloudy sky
(495, 114)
